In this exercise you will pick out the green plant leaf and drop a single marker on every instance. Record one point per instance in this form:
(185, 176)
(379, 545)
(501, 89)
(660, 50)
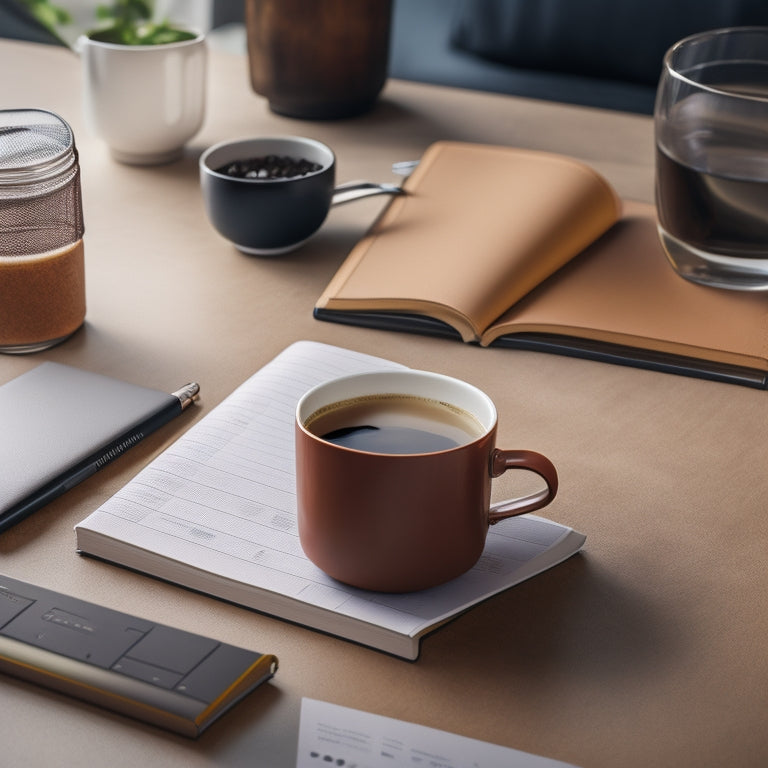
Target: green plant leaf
(48, 14)
(128, 22)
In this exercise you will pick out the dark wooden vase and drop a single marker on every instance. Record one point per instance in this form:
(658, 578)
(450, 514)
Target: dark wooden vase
(318, 59)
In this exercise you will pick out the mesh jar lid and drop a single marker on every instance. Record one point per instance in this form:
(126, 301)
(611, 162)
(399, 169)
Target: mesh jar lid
(36, 148)
(40, 200)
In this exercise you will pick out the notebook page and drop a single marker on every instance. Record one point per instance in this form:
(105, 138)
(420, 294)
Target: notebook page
(221, 499)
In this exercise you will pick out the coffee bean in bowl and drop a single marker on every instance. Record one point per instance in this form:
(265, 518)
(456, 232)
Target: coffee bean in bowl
(279, 206)
(269, 167)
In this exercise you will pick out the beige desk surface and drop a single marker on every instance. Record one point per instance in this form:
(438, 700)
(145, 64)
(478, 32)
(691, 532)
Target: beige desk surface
(647, 649)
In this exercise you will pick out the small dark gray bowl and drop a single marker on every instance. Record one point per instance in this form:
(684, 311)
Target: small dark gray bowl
(267, 216)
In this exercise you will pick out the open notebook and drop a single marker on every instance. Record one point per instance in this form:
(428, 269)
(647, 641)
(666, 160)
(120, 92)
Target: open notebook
(216, 512)
(516, 248)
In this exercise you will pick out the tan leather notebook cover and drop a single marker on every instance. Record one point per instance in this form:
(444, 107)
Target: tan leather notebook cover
(479, 227)
(622, 290)
(531, 250)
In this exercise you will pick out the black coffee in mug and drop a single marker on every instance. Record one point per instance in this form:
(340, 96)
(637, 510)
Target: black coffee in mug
(395, 424)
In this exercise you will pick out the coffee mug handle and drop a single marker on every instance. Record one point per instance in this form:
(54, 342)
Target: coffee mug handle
(501, 461)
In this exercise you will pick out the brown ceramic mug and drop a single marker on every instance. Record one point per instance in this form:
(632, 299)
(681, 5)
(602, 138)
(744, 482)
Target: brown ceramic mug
(393, 478)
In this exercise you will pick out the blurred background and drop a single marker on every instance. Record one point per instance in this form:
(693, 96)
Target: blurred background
(599, 53)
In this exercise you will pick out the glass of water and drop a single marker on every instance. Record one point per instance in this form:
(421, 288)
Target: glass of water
(711, 127)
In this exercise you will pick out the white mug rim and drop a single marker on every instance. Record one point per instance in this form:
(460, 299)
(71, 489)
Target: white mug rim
(86, 39)
(390, 383)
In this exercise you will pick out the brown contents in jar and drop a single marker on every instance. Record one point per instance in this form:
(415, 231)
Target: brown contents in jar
(42, 297)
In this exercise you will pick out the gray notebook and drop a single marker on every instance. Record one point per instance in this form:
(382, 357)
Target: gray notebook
(60, 424)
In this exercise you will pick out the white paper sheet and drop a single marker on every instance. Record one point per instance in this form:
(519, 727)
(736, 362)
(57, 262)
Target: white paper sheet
(330, 735)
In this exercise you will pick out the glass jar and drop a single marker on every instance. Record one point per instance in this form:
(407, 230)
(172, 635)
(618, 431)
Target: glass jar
(42, 266)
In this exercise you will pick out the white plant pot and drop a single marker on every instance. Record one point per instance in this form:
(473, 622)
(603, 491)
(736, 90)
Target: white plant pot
(144, 101)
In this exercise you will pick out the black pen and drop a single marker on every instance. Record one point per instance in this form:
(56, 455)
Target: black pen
(175, 403)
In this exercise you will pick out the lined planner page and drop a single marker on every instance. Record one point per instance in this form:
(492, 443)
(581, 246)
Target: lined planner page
(221, 502)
